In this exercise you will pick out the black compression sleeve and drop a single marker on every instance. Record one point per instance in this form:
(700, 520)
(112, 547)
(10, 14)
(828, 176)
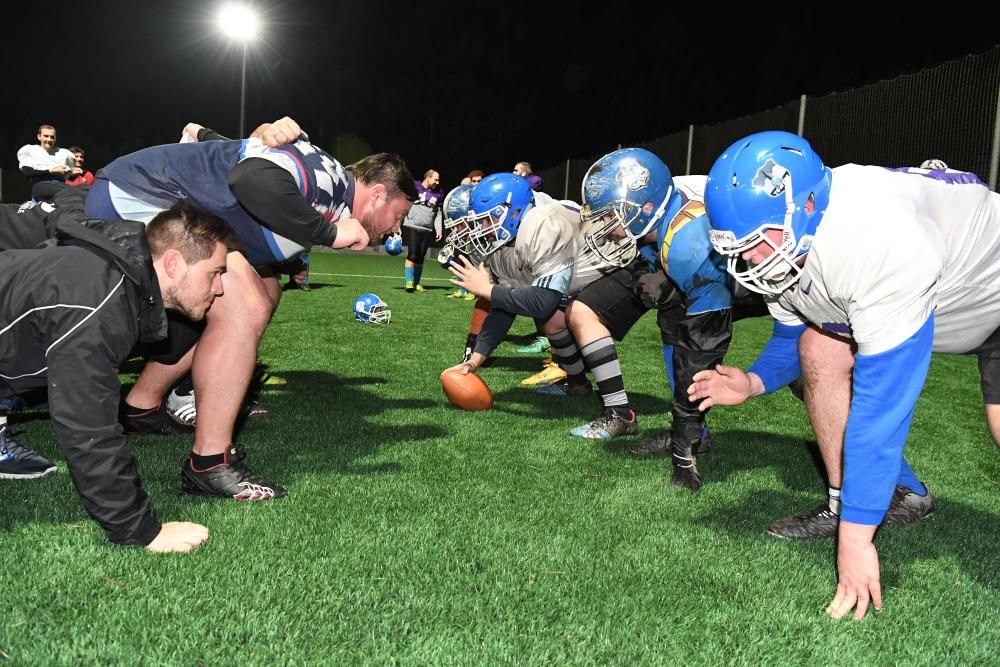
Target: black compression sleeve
(31, 172)
(206, 134)
(270, 195)
(537, 302)
(495, 328)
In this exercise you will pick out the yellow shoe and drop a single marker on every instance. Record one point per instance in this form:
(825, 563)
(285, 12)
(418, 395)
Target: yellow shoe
(419, 288)
(469, 296)
(548, 375)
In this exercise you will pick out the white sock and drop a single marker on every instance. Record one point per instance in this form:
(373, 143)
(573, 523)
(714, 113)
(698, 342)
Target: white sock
(834, 500)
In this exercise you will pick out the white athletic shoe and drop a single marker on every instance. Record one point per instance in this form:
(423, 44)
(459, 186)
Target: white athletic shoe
(181, 408)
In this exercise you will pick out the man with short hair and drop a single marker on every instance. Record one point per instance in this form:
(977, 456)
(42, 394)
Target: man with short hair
(73, 311)
(281, 194)
(523, 169)
(80, 175)
(422, 226)
(46, 164)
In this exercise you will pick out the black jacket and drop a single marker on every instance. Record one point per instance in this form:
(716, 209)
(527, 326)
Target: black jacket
(70, 312)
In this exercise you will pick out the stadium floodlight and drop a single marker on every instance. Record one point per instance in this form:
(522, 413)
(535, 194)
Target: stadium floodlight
(240, 23)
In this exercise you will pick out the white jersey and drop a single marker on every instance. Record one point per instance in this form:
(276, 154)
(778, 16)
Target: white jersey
(542, 254)
(693, 187)
(34, 156)
(895, 246)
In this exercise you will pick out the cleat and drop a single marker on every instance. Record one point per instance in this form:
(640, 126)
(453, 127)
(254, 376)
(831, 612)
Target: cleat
(821, 522)
(231, 479)
(685, 473)
(456, 294)
(253, 408)
(907, 506)
(33, 400)
(19, 462)
(469, 296)
(551, 374)
(607, 426)
(419, 288)
(155, 421)
(181, 407)
(541, 344)
(564, 388)
(409, 287)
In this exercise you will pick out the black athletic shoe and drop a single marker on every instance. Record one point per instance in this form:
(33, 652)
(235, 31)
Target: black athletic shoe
(684, 460)
(906, 506)
(820, 522)
(19, 462)
(231, 479)
(156, 420)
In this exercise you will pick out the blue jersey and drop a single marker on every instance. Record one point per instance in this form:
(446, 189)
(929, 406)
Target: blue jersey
(199, 172)
(684, 252)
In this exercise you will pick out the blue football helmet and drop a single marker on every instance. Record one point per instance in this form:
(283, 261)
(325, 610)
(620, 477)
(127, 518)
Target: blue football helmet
(626, 195)
(394, 244)
(497, 207)
(370, 309)
(456, 220)
(767, 181)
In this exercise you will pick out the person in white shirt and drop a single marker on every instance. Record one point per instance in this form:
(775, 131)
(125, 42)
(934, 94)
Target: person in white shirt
(44, 163)
(885, 266)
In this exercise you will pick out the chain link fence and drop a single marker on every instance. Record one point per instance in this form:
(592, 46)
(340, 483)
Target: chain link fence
(949, 112)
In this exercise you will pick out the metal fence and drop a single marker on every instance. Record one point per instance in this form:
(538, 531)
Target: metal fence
(950, 112)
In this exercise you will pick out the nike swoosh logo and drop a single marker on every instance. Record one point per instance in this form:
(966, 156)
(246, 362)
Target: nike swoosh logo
(808, 288)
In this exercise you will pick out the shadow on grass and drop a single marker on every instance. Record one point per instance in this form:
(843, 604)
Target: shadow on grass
(315, 285)
(320, 423)
(796, 462)
(955, 531)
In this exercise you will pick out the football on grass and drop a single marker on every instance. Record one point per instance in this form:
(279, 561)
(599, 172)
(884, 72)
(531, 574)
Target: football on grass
(468, 392)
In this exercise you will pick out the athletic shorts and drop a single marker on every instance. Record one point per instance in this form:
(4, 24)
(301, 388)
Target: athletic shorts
(989, 368)
(182, 334)
(417, 241)
(620, 298)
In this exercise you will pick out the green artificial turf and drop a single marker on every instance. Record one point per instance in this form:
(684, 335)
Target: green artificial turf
(418, 534)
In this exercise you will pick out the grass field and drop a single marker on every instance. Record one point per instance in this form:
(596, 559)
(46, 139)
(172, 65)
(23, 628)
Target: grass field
(417, 534)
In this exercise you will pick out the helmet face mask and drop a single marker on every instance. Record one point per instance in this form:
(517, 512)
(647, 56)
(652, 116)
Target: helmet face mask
(497, 207)
(626, 195)
(769, 181)
(370, 309)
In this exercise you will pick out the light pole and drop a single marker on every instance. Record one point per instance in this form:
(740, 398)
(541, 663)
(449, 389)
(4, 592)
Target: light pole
(239, 22)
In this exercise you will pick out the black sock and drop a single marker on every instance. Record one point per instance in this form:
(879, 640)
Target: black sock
(133, 411)
(566, 354)
(185, 386)
(199, 462)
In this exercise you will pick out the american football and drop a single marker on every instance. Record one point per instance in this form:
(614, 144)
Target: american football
(467, 392)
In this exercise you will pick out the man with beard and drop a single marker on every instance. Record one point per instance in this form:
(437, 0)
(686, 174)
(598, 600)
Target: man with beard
(281, 194)
(73, 309)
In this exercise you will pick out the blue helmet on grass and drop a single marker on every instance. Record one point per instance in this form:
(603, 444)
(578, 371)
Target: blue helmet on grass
(767, 181)
(497, 207)
(626, 195)
(394, 244)
(370, 309)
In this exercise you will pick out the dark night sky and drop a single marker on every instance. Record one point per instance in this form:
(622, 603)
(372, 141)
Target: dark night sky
(454, 89)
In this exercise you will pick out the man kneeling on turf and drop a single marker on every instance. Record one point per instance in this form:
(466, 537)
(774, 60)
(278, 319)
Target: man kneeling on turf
(73, 310)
